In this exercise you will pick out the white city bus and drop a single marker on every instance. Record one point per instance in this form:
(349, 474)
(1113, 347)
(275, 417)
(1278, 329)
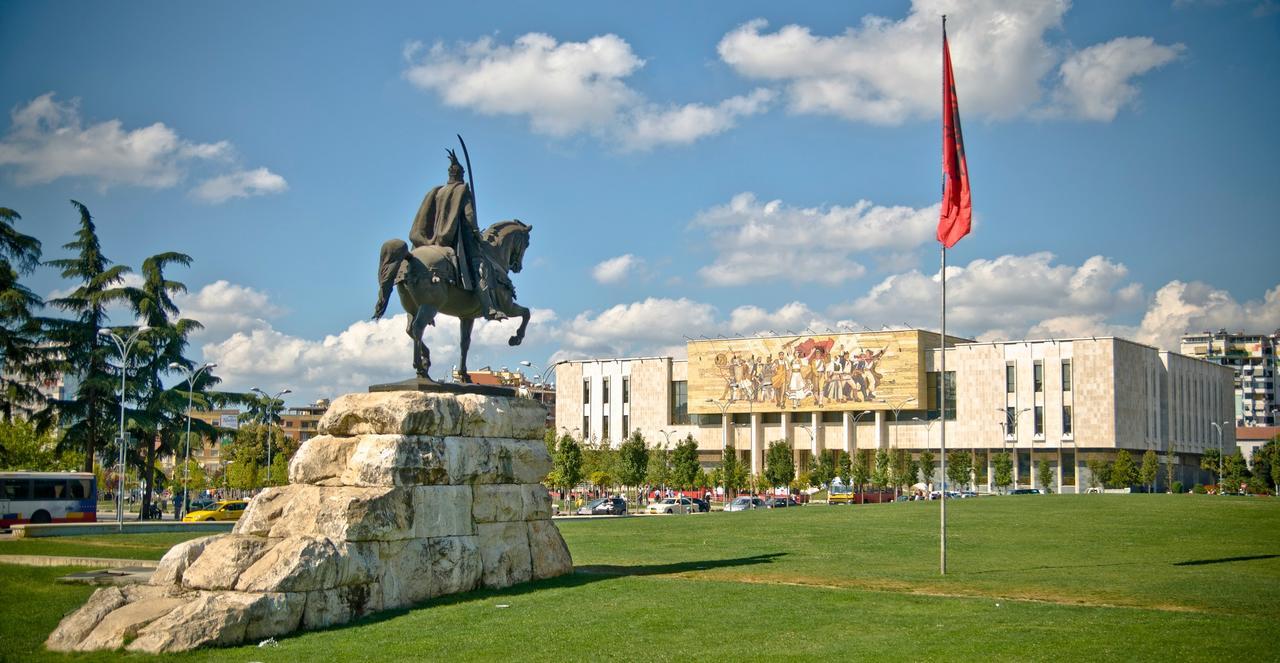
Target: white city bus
(47, 497)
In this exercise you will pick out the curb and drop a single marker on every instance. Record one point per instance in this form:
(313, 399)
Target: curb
(98, 562)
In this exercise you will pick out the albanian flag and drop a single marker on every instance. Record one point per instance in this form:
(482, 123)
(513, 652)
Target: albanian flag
(957, 208)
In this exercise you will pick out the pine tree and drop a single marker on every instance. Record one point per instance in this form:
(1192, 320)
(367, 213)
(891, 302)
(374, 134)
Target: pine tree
(25, 359)
(87, 416)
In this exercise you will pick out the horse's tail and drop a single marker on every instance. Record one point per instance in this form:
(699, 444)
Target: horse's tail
(389, 258)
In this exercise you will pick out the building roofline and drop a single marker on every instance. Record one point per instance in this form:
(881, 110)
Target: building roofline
(589, 361)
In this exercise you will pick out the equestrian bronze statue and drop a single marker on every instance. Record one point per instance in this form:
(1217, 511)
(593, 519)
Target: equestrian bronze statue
(453, 268)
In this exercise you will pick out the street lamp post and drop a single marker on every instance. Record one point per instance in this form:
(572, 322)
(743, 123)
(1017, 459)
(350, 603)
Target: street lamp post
(893, 438)
(1010, 425)
(186, 465)
(542, 377)
(928, 441)
(123, 345)
(266, 416)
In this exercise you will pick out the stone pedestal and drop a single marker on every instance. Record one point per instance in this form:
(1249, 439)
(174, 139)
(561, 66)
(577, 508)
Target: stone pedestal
(403, 497)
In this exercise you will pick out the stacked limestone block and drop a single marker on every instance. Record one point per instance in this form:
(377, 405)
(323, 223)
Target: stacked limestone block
(404, 496)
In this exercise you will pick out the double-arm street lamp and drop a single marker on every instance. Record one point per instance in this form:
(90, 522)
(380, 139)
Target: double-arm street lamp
(124, 345)
(186, 465)
(266, 416)
(1221, 450)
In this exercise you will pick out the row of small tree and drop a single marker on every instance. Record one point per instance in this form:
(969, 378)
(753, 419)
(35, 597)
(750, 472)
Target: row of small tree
(36, 348)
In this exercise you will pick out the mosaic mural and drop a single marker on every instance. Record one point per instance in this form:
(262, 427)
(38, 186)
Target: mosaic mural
(850, 371)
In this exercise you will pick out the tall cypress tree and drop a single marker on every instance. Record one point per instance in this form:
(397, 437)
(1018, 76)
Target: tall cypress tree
(87, 415)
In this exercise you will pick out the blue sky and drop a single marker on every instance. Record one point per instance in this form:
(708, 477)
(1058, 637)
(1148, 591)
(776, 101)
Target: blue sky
(689, 168)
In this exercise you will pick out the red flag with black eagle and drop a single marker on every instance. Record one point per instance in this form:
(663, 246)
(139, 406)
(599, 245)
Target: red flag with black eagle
(957, 208)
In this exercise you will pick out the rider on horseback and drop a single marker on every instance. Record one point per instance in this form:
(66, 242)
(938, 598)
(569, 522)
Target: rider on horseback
(447, 219)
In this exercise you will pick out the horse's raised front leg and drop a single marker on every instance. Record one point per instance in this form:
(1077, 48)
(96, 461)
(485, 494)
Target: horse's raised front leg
(524, 323)
(424, 316)
(464, 344)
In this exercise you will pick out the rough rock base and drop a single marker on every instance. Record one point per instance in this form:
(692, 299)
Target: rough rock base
(404, 496)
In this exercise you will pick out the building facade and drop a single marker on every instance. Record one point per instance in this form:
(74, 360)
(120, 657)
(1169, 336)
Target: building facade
(1253, 358)
(1066, 401)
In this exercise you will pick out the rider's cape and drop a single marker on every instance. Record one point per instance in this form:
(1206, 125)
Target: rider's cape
(446, 218)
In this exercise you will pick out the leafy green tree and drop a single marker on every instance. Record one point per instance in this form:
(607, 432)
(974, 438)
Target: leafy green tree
(684, 463)
(633, 460)
(1044, 474)
(732, 472)
(1234, 473)
(568, 463)
(1124, 472)
(882, 472)
(88, 417)
(24, 358)
(844, 468)
(913, 472)
(659, 466)
(779, 464)
(1260, 464)
(22, 447)
(898, 461)
(1150, 467)
(1275, 463)
(824, 470)
(959, 468)
(1099, 472)
(1210, 461)
(862, 469)
(1003, 464)
(926, 466)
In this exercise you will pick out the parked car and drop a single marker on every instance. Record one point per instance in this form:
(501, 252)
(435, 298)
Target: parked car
(671, 505)
(1025, 491)
(224, 510)
(605, 506)
(782, 502)
(700, 505)
(746, 504)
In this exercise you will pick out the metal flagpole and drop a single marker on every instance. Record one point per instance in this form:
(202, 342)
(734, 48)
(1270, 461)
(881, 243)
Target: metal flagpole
(942, 379)
(942, 408)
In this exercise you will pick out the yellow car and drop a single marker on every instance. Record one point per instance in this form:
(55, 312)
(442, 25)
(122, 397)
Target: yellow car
(224, 510)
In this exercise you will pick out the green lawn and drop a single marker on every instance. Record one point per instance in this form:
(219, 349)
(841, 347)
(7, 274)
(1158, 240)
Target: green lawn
(115, 546)
(1031, 578)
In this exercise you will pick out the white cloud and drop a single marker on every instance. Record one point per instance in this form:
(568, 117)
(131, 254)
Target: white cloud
(650, 126)
(568, 88)
(615, 270)
(770, 241)
(887, 71)
(47, 141)
(1097, 81)
(366, 352)
(792, 317)
(225, 308)
(1005, 297)
(239, 184)
(1180, 307)
(637, 327)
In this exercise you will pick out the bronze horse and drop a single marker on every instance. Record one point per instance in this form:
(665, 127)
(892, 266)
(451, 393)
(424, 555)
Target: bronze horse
(427, 281)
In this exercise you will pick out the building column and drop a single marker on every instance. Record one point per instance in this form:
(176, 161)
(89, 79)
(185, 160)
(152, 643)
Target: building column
(846, 420)
(881, 439)
(991, 472)
(757, 456)
(816, 426)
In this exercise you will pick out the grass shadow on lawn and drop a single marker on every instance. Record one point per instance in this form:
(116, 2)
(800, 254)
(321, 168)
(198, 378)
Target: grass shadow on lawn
(582, 575)
(1224, 560)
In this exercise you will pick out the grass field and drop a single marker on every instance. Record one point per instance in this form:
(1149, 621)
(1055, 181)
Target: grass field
(116, 546)
(1128, 577)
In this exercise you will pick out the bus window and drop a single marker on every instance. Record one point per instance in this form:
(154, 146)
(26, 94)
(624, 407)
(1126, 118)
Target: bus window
(80, 489)
(50, 489)
(16, 489)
